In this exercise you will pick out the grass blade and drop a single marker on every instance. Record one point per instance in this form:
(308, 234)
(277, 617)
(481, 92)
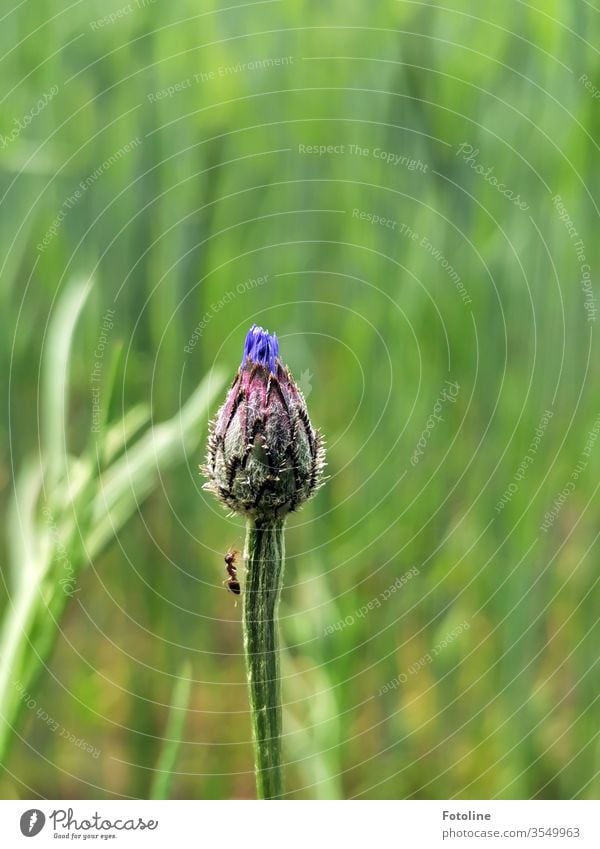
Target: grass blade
(163, 774)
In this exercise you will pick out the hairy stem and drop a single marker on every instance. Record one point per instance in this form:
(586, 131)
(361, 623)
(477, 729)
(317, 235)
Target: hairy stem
(264, 556)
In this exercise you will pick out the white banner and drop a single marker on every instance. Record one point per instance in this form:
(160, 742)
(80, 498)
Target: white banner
(298, 825)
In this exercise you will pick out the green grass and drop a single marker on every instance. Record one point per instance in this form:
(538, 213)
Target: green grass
(217, 193)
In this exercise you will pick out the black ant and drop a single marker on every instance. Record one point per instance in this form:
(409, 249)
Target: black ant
(233, 585)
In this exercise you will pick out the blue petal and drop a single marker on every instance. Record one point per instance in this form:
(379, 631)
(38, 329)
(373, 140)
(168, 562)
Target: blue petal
(261, 347)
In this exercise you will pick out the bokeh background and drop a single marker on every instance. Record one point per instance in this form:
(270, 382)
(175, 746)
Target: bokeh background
(170, 172)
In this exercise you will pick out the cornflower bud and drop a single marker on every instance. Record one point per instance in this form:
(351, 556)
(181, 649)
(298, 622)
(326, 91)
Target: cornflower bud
(264, 457)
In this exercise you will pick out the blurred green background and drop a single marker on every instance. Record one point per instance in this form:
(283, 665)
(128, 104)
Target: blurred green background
(169, 165)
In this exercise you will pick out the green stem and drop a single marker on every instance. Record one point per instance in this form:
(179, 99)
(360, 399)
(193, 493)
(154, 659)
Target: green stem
(264, 556)
(26, 641)
(13, 639)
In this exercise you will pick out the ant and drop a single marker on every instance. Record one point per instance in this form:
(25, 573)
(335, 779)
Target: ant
(233, 585)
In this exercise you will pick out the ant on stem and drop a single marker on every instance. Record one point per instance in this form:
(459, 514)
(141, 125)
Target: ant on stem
(233, 585)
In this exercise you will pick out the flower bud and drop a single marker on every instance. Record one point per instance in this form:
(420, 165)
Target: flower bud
(264, 457)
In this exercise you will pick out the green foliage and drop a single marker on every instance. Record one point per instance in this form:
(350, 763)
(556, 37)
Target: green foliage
(166, 233)
(66, 510)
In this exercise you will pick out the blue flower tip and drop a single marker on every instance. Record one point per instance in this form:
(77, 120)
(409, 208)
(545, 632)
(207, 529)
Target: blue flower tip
(261, 347)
